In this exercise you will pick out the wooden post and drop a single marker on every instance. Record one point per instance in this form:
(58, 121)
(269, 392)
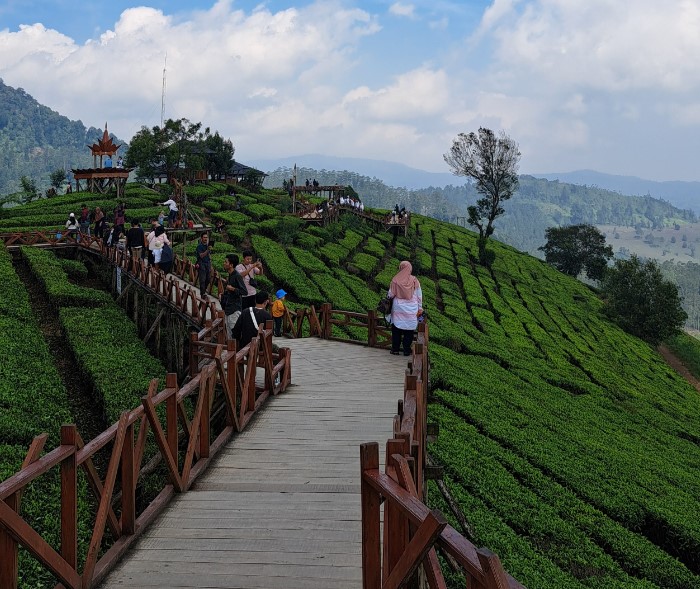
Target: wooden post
(326, 325)
(493, 569)
(371, 548)
(69, 498)
(128, 481)
(395, 523)
(171, 414)
(372, 328)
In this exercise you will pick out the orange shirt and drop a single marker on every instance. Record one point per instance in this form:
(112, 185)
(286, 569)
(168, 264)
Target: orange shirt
(278, 308)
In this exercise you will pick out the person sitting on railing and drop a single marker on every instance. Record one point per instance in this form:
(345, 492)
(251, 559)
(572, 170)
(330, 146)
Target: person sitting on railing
(246, 327)
(407, 297)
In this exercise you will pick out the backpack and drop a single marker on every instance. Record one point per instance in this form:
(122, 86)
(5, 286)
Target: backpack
(384, 305)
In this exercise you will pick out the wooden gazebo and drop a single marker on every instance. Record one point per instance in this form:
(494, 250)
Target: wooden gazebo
(105, 177)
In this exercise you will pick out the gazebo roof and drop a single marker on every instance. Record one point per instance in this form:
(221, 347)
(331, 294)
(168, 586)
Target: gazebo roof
(104, 146)
(238, 169)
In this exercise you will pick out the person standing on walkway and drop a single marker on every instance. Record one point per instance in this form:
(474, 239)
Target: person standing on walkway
(203, 254)
(135, 239)
(234, 291)
(278, 312)
(246, 327)
(99, 222)
(84, 220)
(407, 297)
(249, 270)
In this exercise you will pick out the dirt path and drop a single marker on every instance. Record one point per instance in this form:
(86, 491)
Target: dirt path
(673, 361)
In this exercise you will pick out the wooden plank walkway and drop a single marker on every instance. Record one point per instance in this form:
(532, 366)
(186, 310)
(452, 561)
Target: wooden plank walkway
(280, 506)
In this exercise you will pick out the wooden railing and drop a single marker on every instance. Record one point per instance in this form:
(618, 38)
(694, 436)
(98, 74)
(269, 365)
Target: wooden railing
(184, 438)
(411, 531)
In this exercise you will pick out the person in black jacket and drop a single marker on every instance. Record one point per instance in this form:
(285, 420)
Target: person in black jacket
(246, 327)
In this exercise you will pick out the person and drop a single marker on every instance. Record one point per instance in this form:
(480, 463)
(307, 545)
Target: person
(407, 297)
(113, 235)
(167, 258)
(108, 162)
(135, 238)
(99, 222)
(120, 162)
(234, 291)
(84, 219)
(72, 225)
(249, 270)
(69, 188)
(161, 218)
(203, 253)
(172, 211)
(219, 226)
(156, 240)
(120, 216)
(278, 311)
(246, 328)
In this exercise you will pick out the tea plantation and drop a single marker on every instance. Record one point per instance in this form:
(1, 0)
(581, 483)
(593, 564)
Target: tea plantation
(571, 448)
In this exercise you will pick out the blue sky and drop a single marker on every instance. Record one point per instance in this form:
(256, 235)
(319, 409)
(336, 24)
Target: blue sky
(604, 85)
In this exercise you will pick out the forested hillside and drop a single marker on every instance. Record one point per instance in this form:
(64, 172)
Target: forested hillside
(35, 140)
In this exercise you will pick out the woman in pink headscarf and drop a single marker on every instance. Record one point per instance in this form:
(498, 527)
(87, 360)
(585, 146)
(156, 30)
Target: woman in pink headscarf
(407, 304)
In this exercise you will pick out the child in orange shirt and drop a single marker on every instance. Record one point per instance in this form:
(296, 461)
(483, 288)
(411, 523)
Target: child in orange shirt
(278, 312)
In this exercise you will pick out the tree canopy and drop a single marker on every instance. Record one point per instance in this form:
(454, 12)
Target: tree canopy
(641, 301)
(179, 146)
(577, 248)
(492, 163)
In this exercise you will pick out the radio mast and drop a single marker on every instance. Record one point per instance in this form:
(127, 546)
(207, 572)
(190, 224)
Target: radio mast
(162, 98)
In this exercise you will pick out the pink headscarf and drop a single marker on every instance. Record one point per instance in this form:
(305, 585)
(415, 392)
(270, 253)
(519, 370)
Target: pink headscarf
(404, 284)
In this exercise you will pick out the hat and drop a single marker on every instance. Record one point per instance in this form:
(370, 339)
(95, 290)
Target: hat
(72, 215)
(280, 293)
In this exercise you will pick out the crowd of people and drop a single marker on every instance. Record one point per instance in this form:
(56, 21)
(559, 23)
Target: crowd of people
(244, 306)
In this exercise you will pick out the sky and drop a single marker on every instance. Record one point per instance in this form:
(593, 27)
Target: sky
(605, 85)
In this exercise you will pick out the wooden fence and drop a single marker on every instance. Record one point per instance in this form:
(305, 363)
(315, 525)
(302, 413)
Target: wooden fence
(412, 533)
(183, 435)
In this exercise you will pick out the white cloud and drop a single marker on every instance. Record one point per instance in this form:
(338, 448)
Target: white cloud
(401, 9)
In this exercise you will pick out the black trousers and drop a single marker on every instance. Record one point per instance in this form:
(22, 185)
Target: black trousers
(204, 276)
(399, 337)
(248, 301)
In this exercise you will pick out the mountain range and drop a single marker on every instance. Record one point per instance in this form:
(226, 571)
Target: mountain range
(684, 195)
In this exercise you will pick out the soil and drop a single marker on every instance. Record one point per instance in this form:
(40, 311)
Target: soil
(87, 415)
(674, 362)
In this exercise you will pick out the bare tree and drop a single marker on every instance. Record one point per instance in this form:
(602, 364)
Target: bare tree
(492, 162)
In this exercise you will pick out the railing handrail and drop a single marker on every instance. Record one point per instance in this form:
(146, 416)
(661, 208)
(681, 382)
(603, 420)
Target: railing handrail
(233, 369)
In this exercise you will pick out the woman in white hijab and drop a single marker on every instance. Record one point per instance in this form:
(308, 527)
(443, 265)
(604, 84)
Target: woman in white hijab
(407, 304)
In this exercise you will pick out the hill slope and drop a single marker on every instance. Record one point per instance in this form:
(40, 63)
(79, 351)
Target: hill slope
(35, 141)
(571, 447)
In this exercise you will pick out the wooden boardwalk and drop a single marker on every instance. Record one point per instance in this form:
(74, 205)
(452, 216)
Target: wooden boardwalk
(280, 506)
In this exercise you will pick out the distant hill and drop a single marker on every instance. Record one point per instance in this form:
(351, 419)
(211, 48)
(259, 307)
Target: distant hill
(35, 140)
(685, 195)
(390, 173)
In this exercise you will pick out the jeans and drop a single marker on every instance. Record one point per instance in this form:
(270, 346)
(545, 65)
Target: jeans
(277, 329)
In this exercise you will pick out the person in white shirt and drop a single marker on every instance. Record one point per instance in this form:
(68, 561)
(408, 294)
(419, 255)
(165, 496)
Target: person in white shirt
(172, 212)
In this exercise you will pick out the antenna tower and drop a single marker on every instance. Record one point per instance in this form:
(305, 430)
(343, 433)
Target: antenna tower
(162, 98)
